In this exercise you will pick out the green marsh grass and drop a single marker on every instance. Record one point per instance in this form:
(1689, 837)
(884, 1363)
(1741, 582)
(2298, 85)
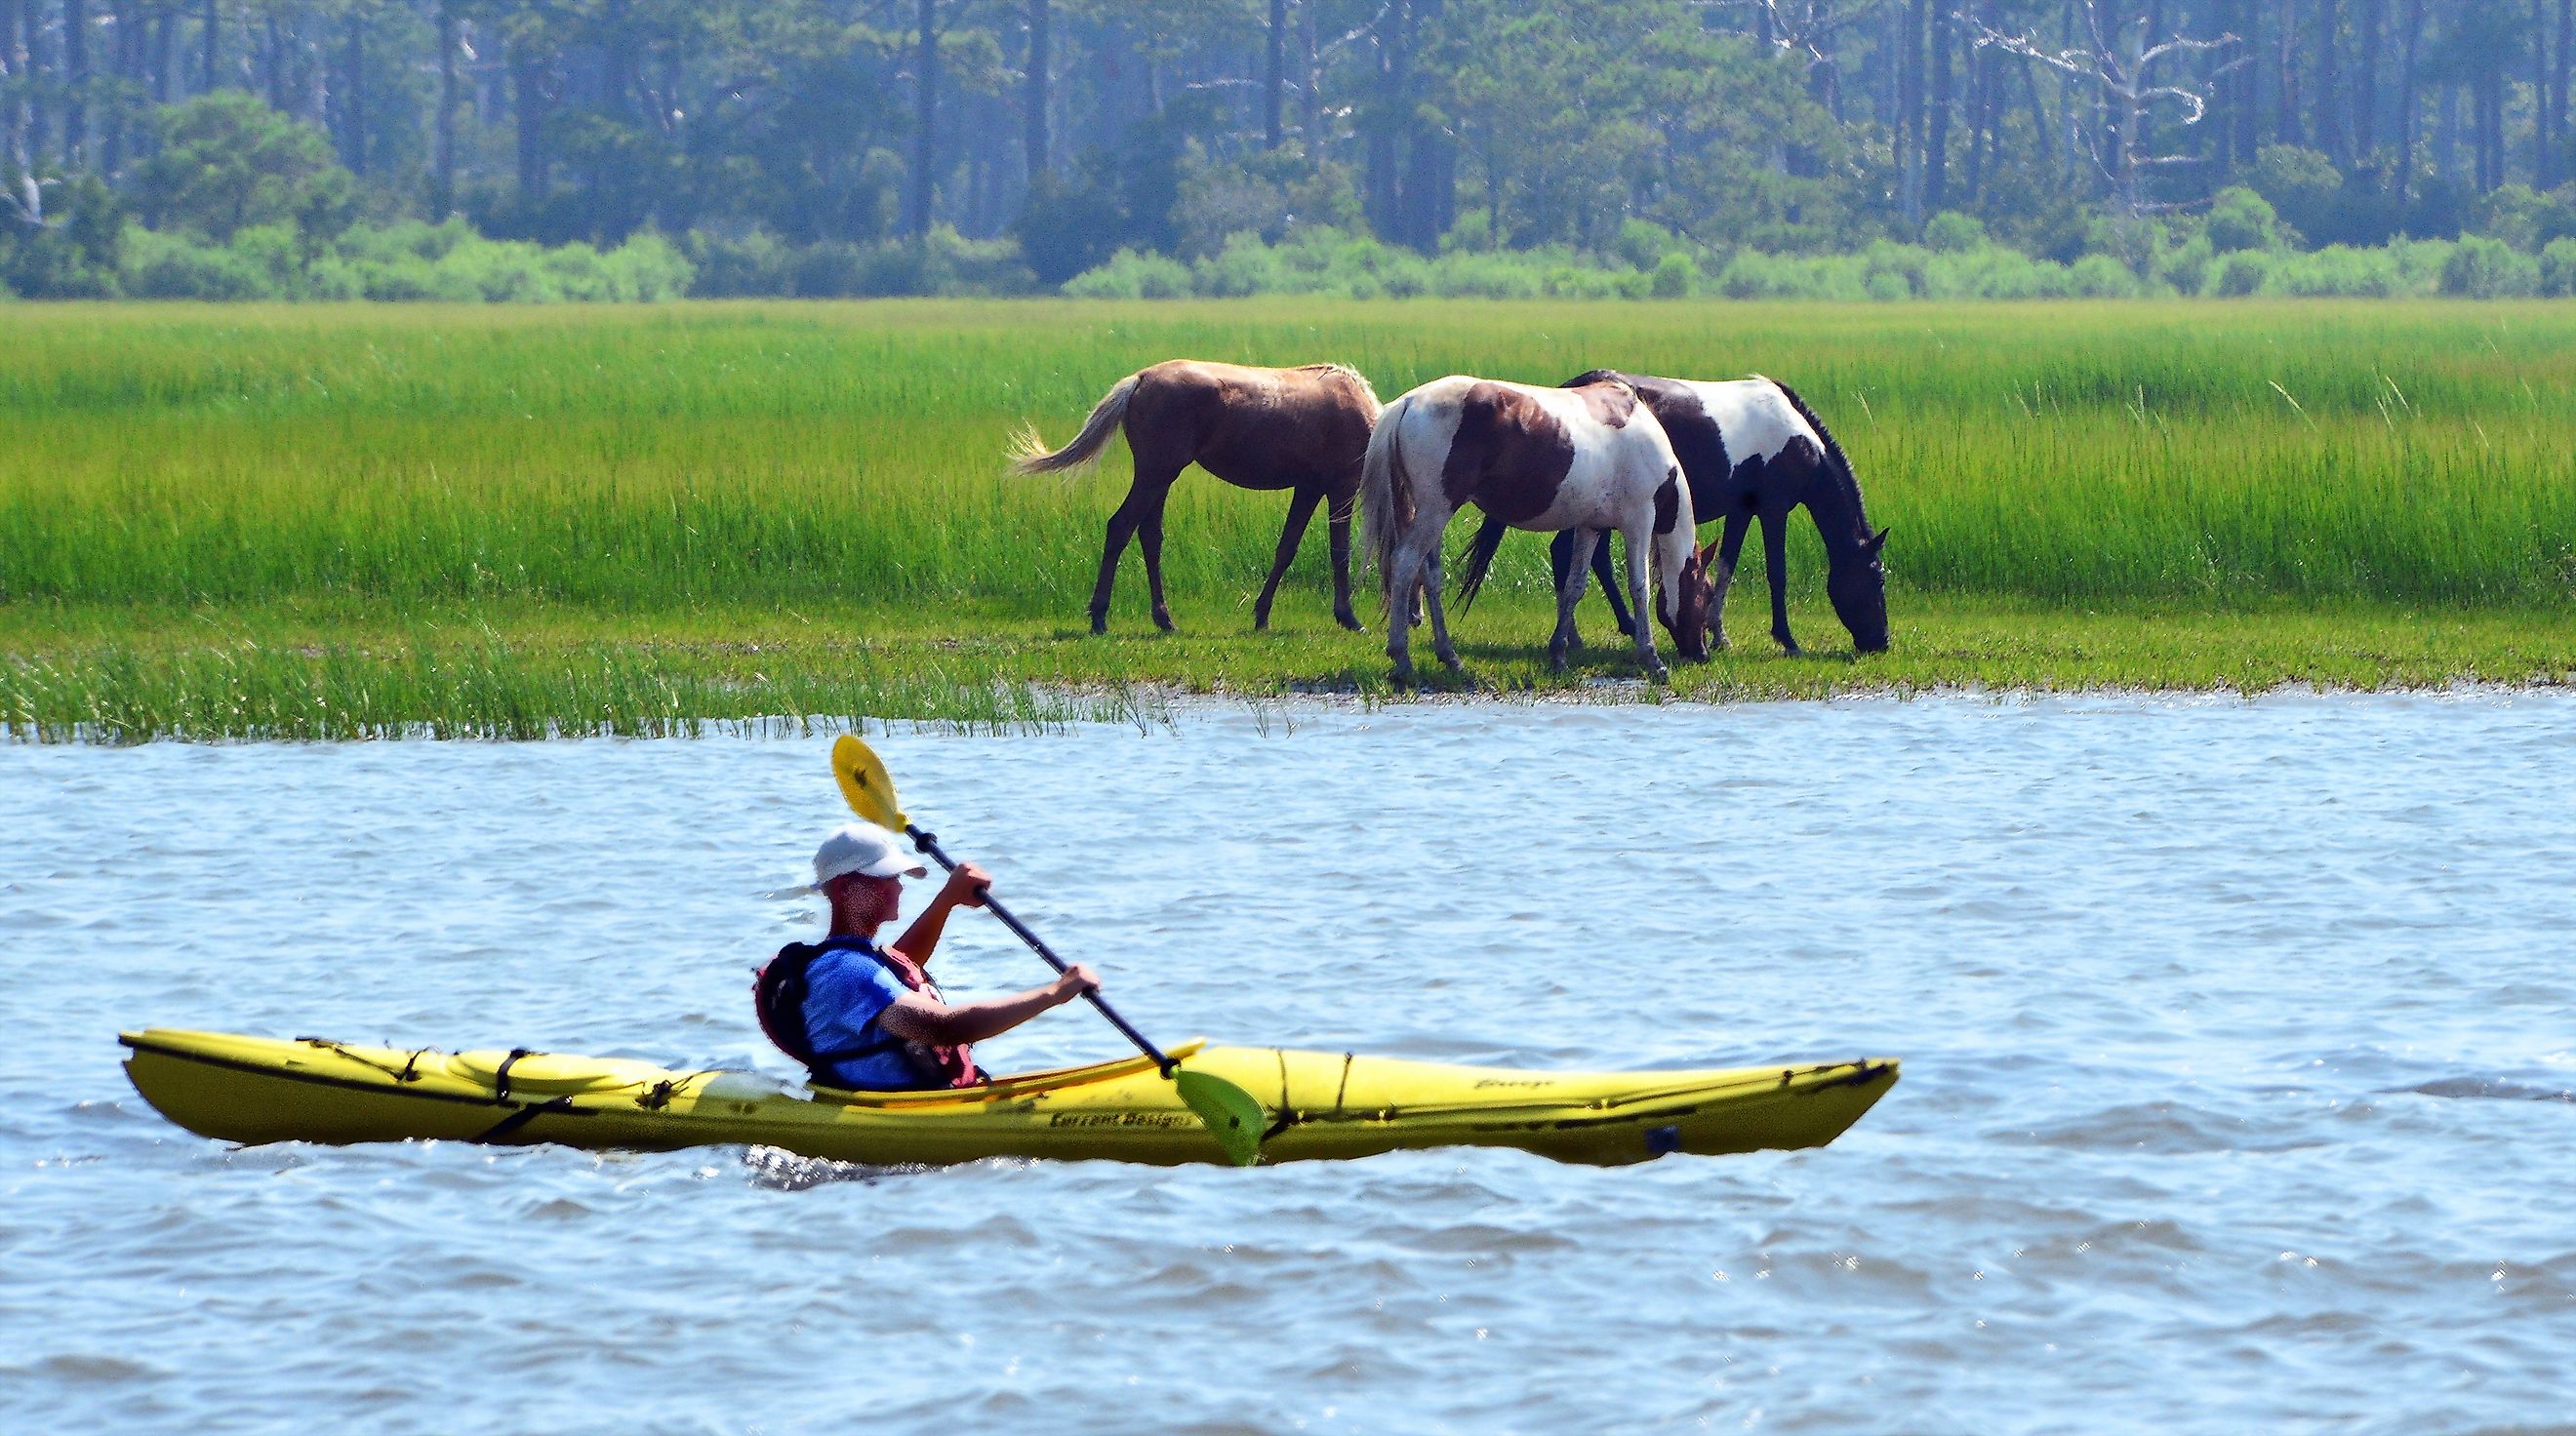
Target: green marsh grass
(213, 519)
(511, 671)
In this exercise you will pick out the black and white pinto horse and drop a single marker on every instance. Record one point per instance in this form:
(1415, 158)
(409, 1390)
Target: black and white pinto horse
(1580, 460)
(1751, 449)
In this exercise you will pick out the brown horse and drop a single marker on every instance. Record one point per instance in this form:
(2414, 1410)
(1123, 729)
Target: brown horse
(1304, 430)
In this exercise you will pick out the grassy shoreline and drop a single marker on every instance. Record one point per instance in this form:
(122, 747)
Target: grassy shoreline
(233, 521)
(536, 671)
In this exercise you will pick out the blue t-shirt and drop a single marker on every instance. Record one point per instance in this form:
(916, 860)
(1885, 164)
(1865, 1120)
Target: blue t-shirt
(846, 990)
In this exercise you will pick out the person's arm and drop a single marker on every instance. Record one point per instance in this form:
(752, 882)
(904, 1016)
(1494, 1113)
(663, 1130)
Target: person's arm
(964, 888)
(920, 1017)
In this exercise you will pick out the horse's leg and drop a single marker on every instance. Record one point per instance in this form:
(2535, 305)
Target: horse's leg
(1637, 538)
(1403, 573)
(1337, 524)
(1775, 564)
(1432, 581)
(1601, 568)
(1149, 538)
(1146, 492)
(1560, 557)
(1577, 548)
(1301, 510)
(1730, 547)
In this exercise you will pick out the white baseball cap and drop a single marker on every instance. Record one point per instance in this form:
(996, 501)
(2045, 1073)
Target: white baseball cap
(861, 848)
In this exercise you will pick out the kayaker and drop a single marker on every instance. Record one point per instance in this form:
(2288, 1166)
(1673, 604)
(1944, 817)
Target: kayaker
(868, 1017)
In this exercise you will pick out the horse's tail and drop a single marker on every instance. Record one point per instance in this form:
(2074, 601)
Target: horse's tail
(1386, 493)
(1480, 557)
(1029, 453)
(1835, 464)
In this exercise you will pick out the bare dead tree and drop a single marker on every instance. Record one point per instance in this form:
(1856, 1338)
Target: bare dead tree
(2120, 61)
(1812, 30)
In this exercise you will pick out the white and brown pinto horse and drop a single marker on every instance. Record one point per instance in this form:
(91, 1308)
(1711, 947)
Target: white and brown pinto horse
(1300, 429)
(1583, 460)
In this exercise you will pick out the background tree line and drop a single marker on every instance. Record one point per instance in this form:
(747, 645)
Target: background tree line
(835, 145)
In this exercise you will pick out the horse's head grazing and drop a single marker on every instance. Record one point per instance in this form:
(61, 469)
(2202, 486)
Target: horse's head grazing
(1687, 596)
(1858, 588)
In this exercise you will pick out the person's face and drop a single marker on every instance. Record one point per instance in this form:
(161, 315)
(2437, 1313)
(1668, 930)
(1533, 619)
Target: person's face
(868, 899)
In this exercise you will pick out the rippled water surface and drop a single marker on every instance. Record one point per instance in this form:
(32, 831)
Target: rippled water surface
(2237, 1094)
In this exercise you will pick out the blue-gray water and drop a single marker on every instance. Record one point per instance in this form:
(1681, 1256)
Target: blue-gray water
(2239, 1051)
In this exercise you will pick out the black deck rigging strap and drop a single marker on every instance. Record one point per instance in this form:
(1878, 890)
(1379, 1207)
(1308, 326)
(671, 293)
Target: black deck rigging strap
(410, 1071)
(501, 1074)
(503, 1129)
(1287, 1115)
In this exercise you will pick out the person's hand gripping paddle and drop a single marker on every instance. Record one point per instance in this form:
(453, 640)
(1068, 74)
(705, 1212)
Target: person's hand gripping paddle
(1228, 1110)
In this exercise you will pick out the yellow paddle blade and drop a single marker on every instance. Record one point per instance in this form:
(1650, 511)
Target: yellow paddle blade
(1229, 1112)
(865, 784)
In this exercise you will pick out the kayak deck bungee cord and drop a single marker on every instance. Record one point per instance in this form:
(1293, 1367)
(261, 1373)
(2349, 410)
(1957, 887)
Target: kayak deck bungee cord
(1316, 1105)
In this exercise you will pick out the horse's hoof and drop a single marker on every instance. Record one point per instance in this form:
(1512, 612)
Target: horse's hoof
(1657, 674)
(1351, 622)
(1099, 627)
(1164, 624)
(1791, 650)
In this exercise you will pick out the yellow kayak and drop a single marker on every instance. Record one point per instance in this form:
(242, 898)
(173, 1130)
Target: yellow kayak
(1320, 1104)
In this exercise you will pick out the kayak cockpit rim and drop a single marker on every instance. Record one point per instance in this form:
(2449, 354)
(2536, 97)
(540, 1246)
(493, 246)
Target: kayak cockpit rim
(1024, 1084)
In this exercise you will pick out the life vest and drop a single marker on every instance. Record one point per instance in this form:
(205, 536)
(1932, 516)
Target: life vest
(779, 991)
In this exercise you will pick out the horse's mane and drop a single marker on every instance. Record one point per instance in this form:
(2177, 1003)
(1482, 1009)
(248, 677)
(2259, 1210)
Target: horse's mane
(1347, 372)
(1835, 464)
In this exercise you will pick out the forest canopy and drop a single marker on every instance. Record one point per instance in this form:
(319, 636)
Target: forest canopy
(641, 148)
